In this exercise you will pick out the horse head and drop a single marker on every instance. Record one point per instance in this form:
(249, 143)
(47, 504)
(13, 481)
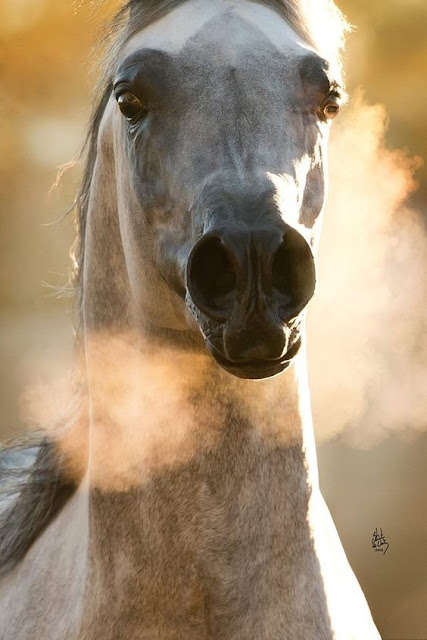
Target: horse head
(213, 139)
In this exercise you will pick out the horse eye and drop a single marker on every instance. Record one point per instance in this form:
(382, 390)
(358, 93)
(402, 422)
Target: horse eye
(129, 105)
(330, 110)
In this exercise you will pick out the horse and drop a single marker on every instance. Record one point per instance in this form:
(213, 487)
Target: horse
(176, 495)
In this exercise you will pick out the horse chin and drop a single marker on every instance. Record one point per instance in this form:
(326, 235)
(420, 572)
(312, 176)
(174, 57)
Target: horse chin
(255, 369)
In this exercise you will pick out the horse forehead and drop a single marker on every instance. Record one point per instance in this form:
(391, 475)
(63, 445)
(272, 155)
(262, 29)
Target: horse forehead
(236, 23)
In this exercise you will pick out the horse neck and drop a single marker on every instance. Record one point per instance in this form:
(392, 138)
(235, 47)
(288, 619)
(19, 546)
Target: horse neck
(213, 481)
(155, 414)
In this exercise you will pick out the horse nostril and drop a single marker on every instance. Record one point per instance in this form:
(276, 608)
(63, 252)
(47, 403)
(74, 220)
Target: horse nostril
(211, 275)
(293, 273)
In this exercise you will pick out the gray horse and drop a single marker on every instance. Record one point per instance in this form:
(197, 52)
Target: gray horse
(178, 497)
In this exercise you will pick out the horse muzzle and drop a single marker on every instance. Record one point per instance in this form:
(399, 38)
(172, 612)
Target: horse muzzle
(247, 289)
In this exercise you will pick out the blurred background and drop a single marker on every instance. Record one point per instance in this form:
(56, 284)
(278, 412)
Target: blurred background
(46, 58)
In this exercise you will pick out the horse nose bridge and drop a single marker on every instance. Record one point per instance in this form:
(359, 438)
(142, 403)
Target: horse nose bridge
(243, 199)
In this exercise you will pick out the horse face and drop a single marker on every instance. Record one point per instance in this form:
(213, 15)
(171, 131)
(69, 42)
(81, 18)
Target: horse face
(224, 133)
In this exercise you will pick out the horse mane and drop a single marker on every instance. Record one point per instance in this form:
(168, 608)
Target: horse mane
(33, 489)
(34, 483)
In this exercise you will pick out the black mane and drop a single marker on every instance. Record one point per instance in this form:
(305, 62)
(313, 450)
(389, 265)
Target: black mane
(33, 489)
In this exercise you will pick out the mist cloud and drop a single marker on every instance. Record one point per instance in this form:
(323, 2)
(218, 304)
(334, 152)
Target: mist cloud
(368, 320)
